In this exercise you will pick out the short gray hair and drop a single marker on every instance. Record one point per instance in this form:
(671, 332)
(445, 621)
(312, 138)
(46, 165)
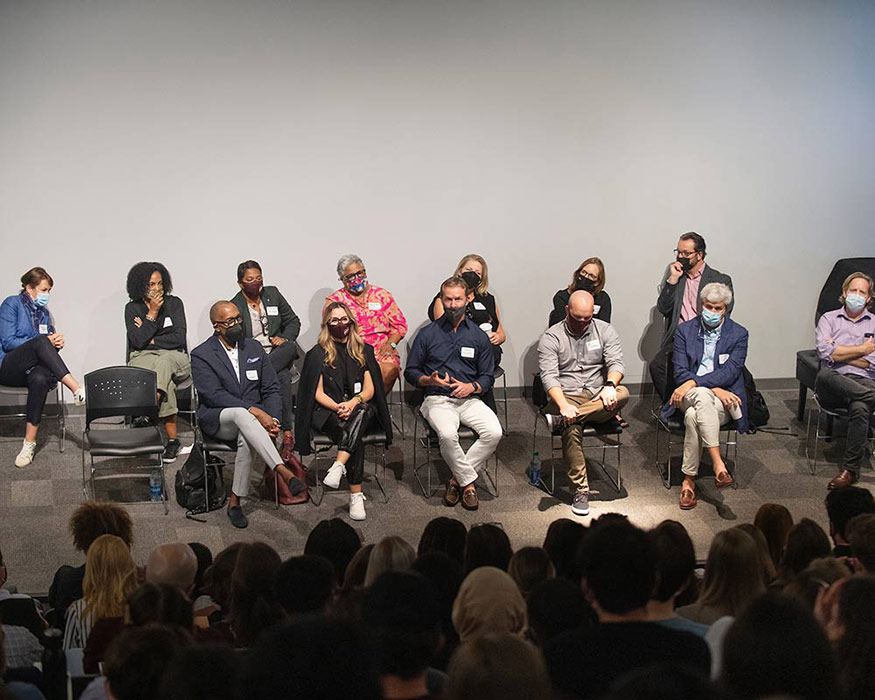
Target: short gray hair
(345, 261)
(716, 292)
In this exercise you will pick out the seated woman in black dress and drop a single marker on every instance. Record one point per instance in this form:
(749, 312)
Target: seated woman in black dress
(590, 277)
(338, 396)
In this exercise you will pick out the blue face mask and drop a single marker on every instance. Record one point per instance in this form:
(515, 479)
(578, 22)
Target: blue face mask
(42, 298)
(711, 318)
(855, 302)
(358, 286)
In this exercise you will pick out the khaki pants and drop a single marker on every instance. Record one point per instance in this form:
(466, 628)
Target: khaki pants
(171, 366)
(703, 416)
(593, 411)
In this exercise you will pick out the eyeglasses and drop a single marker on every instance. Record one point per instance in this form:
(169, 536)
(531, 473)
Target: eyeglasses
(263, 321)
(230, 322)
(361, 274)
(685, 254)
(338, 321)
(584, 273)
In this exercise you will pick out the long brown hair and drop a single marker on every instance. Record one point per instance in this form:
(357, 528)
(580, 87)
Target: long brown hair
(110, 577)
(483, 287)
(599, 284)
(733, 572)
(355, 346)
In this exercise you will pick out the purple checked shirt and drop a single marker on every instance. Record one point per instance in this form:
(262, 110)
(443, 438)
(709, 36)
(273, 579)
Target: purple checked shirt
(835, 328)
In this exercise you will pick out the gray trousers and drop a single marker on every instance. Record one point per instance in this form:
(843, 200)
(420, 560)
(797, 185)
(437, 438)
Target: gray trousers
(240, 424)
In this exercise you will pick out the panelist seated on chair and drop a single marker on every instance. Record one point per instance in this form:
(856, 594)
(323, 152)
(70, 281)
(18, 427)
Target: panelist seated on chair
(156, 329)
(846, 378)
(709, 354)
(581, 365)
(30, 353)
(452, 360)
(269, 319)
(239, 399)
(341, 395)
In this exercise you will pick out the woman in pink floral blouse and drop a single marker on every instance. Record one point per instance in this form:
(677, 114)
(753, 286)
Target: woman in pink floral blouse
(381, 322)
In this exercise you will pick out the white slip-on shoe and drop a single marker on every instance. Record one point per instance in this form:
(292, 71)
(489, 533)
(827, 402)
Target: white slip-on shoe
(334, 474)
(357, 506)
(25, 457)
(79, 396)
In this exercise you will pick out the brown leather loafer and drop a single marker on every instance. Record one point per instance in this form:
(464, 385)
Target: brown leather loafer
(724, 479)
(688, 499)
(470, 501)
(453, 494)
(844, 478)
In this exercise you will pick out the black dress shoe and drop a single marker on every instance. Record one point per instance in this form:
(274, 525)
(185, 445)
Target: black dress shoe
(237, 517)
(845, 478)
(296, 486)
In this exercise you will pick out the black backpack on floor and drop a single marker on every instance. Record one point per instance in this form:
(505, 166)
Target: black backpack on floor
(190, 483)
(757, 410)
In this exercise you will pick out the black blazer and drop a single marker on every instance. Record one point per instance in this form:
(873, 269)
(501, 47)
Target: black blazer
(671, 297)
(282, 323)
(219, 388)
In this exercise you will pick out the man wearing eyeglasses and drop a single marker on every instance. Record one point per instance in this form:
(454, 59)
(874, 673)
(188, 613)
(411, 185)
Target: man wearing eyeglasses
(239, 397)
(679, 301)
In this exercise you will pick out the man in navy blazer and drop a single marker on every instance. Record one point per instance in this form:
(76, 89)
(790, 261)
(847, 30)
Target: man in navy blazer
(239, 397)
(709, 354)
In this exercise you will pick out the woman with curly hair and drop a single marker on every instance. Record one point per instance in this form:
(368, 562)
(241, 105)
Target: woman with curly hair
(155, 323)
(340, 385)
(110, 577)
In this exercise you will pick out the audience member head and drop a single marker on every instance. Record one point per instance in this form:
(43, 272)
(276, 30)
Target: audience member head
(95, 518)
(857, 284)
(201, 673)
(390, 554)
(173, 563)
(357, 569)
(561, 543)
(160, 603)
(250, 278)
(530, 566)
(148, 278)
(401, 612)
(445, 575)
(336, 541)
(664, 681)
(254, 607)
(775, 521)
(204, 561)
(844, 503)
(861, 537)
(488, 602)
(852, 627)
(675, 560)
(486, 545)
(776, 647)
(446, 535)
(618, 564)
(474, 270)
(497, 667)
(733, 572)
(305, 584)
(217, 580)
(313, 657)
(768, 567)
(819, 574)
(555, 606)
(110, 577)
(806, 542)
(137, 658)
(589, 276)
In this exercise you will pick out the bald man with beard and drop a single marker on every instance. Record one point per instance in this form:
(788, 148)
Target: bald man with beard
(581, 364)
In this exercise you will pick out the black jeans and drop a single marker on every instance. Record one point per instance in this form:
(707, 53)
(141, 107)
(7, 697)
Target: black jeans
(36, 365)
(857, 395)
(281, 359)
(347, 435)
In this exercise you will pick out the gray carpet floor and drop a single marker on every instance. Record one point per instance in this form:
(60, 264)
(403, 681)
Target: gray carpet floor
(36, 502)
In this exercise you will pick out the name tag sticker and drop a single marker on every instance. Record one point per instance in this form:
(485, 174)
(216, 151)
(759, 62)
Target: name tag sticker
(272, 310)
(479, 306)
(596, 308)
(356, 388)
(374, 306)
(486, 327)
(467, 352)
(593, 344)
(168, 322)
(722, 358)
(43, 329)
(252, 374)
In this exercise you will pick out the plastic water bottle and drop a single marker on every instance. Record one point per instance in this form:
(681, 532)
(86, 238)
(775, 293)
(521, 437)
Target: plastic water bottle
(155, 485)
(534, 470)
(54, 663)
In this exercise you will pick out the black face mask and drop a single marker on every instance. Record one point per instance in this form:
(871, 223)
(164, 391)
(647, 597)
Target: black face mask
(453, 314)
(233, 334)
(472, 279)
(584, 284)
(575, 327)
(686, 263)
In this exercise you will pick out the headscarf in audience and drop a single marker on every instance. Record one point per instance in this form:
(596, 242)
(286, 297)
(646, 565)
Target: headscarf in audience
(489, 602)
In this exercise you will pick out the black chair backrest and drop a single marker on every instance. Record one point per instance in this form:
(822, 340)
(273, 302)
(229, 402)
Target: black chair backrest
(121, 391)
(832, 288)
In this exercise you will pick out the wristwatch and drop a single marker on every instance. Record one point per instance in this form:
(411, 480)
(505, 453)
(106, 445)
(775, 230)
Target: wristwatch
(610, 383)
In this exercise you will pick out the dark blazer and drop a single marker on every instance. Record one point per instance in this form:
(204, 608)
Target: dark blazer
(219, 388)
(689, 345)
(167, 330)
(310, 374)
(282, 324)
(671, 297)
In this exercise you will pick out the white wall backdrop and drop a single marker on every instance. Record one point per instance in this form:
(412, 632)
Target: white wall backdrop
(204, 132)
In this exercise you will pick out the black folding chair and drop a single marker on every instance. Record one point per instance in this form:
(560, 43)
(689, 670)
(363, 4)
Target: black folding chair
(321, 444)
(21, 392)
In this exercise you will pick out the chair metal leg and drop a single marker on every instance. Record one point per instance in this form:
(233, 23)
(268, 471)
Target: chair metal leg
(665, 474)
(62, 418)
(800, 406)
(376, 475)
(812, 464)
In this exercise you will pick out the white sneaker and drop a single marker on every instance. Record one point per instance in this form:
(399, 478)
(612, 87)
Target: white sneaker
(332, 477)
(25, 457)
(357, 506)
(79, 396)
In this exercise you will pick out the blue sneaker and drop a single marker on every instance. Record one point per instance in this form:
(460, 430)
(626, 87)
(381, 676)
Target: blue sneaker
(580, 503)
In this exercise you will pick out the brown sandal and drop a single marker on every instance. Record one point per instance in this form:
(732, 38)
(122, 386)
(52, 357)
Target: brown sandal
(688, 499)
(723, 479)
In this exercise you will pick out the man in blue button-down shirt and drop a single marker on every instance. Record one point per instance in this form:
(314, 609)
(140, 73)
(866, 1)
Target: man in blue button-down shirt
(452, 361)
